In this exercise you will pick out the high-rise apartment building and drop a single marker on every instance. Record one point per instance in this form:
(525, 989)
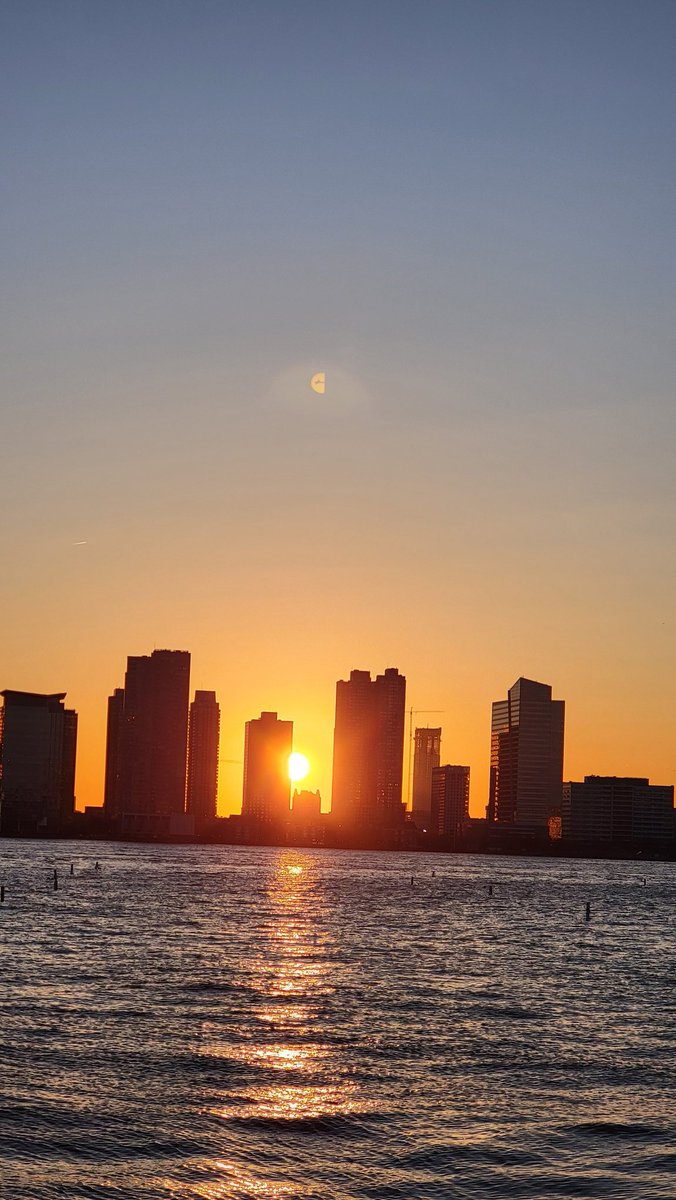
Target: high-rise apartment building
(114, 730)
(38, 742)
(148, 740)
(203, 732)
(267, 745)
(526, 774)
(609, 808)
(368, 750)
(450, 803)
(427, 756)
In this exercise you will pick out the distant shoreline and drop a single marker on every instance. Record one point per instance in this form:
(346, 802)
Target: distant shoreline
(556, 851)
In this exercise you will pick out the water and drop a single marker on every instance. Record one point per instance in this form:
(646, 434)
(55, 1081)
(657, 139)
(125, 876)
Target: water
(230, 1023)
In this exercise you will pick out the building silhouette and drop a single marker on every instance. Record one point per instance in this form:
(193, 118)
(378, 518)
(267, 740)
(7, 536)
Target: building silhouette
(368, 750)
(147, 743)
(449, 803)
(526, 773)
(267, 746)
(203, 733)
(427, 756)
(609, 808)
(306, 805)
(112, 800)
(38, 744)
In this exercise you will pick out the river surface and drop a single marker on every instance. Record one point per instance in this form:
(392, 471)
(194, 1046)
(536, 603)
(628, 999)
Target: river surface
(232, 1022)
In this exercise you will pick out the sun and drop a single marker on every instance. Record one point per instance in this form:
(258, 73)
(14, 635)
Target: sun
(298, 767)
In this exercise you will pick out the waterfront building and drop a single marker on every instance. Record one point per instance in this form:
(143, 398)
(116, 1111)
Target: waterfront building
(449, 803)
(427, 756)
(147, 742)
(609, 808)
(268, 743)
(114, 729)
(526, 772)
(38, 744)
(306, 805)
(203, 734)
(368, 750)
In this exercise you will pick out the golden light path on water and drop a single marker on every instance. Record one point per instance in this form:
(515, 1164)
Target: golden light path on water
(278, 1024)
(290, 972)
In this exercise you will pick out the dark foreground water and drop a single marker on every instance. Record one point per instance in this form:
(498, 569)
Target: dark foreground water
(230, 1022)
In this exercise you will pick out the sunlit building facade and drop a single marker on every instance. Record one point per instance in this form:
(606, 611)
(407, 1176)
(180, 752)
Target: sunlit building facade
(203, 735)
(38, 745)
(267, 788)
(526, 772)
(427, 756)
(449, 803)
(368, 750)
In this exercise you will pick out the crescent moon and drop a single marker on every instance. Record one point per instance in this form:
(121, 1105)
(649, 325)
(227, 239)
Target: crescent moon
(318, 383)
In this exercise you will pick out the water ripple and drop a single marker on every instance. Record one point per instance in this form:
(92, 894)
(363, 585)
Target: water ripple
(226, 1023)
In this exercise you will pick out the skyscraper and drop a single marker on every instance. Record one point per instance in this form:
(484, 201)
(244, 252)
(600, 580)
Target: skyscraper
(267, 787)
(114, 731)
(203, 731)
(450, 803)
(368, 750)
(38, 742)
(427, 756)
(526, 775)
(147, 741)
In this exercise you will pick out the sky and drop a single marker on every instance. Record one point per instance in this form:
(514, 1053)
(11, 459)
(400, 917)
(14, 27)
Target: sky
(463, 212)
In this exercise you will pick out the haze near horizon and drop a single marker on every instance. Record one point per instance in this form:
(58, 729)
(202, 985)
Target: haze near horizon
(463, 215)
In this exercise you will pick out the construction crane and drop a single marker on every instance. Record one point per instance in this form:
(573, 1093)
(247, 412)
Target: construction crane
(415, 712)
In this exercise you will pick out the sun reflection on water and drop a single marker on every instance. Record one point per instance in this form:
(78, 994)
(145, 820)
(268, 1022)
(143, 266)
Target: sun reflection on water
(294, 962)
(240, 1182)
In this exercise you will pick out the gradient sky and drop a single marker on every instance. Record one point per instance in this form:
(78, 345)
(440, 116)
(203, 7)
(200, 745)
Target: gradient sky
(464, 213)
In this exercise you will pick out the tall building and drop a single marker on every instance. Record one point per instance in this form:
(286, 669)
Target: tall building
(368, 750)
(148, 740)
(608, 808)
(114, 730)
(450, 803)
(526, 774)
(203, 732)
(38, 743)
(267, 787)
(426, 757)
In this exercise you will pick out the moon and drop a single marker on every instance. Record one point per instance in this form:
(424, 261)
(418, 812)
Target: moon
(318, 383)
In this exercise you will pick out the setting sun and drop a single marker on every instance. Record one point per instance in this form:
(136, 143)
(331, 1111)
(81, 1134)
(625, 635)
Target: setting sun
(299, 766)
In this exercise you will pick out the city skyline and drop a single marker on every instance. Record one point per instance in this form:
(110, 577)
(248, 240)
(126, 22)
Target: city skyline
(527, 701)
(470, 242)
